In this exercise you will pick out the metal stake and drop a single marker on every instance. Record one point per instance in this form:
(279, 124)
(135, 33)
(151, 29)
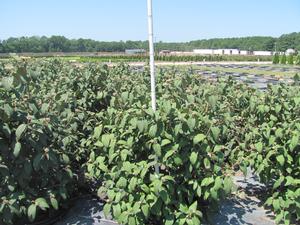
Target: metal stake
(152, 65)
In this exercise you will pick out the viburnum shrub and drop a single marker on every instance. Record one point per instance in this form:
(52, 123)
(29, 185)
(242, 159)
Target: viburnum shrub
(45, 110)
(191, 165)
(190, 138)
(196, 136)
(271, 146)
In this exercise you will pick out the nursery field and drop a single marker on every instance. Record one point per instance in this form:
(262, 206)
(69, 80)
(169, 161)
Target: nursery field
(276, 71)
(117, 57)
(257, 76)
(68, 131)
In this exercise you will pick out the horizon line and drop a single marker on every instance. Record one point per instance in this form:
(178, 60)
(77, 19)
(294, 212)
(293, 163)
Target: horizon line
(157, 41)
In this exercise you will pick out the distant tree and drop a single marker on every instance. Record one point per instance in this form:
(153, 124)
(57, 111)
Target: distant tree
(62, 44)
(290, 60)
(287, 41)
(283, 59)
(269, 44)
(44, 43)
(11, 45)
(276, 58)
(59, 44)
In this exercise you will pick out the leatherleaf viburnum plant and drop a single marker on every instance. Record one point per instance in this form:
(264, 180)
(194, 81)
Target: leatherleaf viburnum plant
(200, 132)
(190, 137)
(45, 110)
(271, 146)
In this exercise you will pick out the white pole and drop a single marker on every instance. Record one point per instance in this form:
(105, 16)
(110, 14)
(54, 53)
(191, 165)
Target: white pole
(151, 53)
(152, 66)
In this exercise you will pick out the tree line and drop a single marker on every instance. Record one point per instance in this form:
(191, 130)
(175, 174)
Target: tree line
(62, 44)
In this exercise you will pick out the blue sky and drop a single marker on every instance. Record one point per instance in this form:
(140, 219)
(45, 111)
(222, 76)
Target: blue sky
(174, 20)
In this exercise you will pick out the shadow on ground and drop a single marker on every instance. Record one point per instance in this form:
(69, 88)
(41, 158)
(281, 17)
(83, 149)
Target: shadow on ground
(244, 207)
(86, 211)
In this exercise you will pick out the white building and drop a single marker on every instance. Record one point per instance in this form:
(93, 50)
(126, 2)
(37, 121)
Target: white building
(180, 53)
(219, 51)
(216, 51)
(203, 51)
(164, 52)
(244, 52)
(262, 53)
(231, 51)
(234, 52)
(135, 51)
(290, 51)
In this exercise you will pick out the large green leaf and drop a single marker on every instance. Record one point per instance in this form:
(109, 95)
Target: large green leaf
(193, 158)
(42, 203)
(7, 82)
(198, 138)
(20, 131)
(280, 159)
(31, 212)
(17, 149)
